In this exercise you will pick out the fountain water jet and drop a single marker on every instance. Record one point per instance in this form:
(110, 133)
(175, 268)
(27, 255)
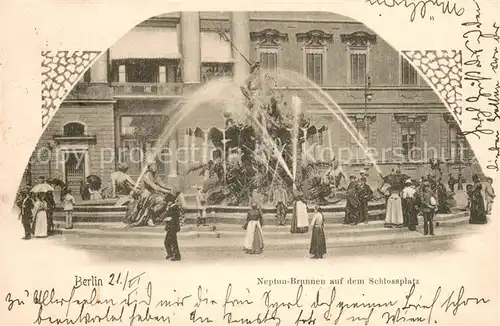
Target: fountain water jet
(295, 134)
(209, 91)
(342, 117)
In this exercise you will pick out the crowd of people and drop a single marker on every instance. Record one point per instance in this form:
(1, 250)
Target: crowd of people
(405, 200)
(154, 202)
(37, 205)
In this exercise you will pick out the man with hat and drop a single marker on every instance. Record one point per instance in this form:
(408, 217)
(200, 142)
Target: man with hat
(366, 194)
(352, 201)
(427, 205)
(171, 245)
(26, 205)
(409, 210)
(363, 174)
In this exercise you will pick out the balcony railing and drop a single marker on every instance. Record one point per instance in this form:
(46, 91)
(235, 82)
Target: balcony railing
(147, 89)
(87, 92)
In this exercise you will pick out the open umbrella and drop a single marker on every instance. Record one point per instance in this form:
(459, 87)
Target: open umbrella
(43, 187)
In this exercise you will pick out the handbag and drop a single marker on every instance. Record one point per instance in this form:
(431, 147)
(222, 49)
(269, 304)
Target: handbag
(245, 226)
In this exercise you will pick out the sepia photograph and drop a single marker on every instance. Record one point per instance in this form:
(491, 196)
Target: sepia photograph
(251, 162)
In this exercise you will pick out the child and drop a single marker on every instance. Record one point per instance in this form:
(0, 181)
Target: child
(489, 194)
(468, 189)
(201, 204)
(68, 201)
(318, 241)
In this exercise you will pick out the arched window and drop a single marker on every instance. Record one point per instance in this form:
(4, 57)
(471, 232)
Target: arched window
(74, 129)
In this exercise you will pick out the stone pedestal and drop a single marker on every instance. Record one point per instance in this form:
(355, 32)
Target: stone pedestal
(240, 28)
(191, 51)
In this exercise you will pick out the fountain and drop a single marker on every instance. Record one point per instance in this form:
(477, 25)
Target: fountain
(263, 139)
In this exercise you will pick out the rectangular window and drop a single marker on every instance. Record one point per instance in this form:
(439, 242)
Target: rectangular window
(410, 134)
(149, 71)
(122, 75)
(314, 67)
(358, 66)
(162, 74)
(361, 128)
(453, 143)
(458, 147)
(409, 75)
(142, 71)
(357, 152)
(321, 137)
(269, 59)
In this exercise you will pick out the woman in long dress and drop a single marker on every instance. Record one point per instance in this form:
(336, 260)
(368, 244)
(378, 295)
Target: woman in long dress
(394, 207)
(40, 227)
(318, 240)
(254, 240)
(300, 219)
(477, 209)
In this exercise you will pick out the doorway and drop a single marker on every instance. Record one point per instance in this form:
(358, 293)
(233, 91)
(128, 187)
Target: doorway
(74, 168)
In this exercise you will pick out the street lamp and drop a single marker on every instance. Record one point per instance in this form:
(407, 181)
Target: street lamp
(368, 98)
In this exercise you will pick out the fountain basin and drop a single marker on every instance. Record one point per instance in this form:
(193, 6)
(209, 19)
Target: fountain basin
(100, 213)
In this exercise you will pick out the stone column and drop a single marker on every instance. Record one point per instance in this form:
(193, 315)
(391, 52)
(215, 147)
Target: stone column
(191, 52)
(99, 70)
(240, 29)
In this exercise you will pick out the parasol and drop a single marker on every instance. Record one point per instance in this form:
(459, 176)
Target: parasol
(43, 187)
(94, 182)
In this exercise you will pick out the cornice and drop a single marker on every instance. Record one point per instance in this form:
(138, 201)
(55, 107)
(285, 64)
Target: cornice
(359, 39)
(269, 37)
(315, 37)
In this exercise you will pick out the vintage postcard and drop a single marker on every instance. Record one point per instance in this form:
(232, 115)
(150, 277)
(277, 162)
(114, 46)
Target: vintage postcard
(247, 163)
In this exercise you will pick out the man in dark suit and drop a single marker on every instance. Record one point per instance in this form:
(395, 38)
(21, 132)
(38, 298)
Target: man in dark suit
(26, 207)
(51, 206)
(427, 203)
(365, 196)
(171, 244)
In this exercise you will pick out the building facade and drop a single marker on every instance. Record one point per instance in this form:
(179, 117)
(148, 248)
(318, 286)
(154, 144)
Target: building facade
(139, 86)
